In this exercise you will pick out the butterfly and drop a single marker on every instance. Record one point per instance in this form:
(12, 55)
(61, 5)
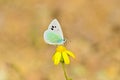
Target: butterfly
(54, 35)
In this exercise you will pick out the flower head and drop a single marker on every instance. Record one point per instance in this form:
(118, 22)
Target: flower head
(62, 55)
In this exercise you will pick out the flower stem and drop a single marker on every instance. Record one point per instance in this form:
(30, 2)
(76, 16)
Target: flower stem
(65, 74)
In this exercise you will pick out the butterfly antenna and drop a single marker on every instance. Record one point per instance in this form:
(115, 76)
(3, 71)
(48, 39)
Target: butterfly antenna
(67, 41)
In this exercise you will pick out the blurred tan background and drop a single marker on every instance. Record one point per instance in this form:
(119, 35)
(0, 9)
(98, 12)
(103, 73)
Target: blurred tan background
(91, 27)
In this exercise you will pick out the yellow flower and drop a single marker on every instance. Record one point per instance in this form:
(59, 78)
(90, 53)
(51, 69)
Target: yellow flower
(62, 55)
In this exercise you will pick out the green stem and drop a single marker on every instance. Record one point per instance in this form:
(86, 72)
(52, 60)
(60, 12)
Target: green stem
(65, 74)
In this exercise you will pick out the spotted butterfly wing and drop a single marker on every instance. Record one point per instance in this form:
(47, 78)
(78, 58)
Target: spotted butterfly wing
(54, 35)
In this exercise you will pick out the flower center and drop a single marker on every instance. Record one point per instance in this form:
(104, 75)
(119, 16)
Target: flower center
(61, 48)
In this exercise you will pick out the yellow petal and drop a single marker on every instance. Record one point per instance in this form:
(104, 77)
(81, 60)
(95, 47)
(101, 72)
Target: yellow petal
(56, 58)
(70, 54)
(65, 58)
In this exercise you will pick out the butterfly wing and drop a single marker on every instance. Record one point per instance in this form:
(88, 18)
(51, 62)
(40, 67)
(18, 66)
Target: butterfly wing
(52, 38)
(55, 27)
(54, 35)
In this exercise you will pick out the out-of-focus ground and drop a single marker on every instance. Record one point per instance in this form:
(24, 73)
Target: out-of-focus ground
(91, 27)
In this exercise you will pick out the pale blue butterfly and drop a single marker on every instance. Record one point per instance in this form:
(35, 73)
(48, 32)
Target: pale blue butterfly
(54, 35)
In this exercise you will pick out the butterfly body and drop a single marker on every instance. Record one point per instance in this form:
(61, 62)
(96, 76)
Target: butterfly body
(54, 35)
